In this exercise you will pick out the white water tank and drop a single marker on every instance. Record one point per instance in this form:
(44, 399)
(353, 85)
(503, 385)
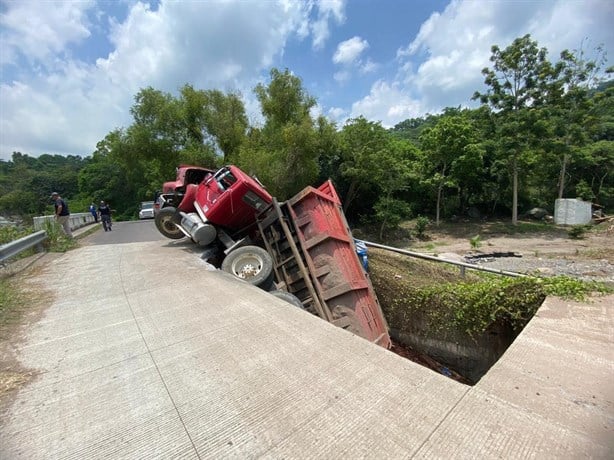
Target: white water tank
(572, 211)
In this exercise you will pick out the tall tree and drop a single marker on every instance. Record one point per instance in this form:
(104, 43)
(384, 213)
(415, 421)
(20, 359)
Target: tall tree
(517, 84)
(284, 153)
(569, 107)
(452, 154)
(393, 175)
(363, 142)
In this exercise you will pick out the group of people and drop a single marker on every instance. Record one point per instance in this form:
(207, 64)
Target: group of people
(104, 213)
(62, 214)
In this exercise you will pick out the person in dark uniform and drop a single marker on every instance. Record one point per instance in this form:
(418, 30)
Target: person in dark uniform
(104, 211)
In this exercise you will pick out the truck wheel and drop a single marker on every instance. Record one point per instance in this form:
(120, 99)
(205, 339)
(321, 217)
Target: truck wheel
(165, 223)
(290, 298)
(252, 264)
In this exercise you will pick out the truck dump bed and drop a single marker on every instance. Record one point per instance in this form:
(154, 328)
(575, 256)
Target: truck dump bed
(314, 258)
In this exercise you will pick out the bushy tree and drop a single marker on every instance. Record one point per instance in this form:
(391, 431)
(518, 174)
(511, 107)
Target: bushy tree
(518, 84)
(283, 154)
(452, 155)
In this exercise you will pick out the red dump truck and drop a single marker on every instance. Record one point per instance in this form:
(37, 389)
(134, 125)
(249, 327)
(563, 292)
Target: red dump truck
(302, 247)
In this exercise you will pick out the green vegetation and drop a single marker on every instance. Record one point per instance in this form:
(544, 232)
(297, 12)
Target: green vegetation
(571, 288)
(420, 227)
(8, 234)
(475, 242)
(545, 129)
(522, 228)
(56, 240)
(577, 231)
(448, 304)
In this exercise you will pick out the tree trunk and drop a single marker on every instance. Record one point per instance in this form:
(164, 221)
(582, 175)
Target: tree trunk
(438, 204)
(562, 175)
(515, 191)
(349, 196)
(381, 231)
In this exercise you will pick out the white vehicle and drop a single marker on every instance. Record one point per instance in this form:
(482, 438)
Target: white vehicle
(147, 210)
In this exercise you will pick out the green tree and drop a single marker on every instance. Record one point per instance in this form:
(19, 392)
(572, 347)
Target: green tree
(363, 143)
(518, 84)
(284, 152)
(393, 175)
(107, 176)
(452, 155)
(226, 121)
(569, 107)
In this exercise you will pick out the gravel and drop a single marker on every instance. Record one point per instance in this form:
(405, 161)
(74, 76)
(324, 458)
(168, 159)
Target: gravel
(586, 270)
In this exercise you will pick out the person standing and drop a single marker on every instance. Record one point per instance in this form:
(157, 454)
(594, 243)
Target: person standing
(105, 215)
(62, 214)
(93, 212)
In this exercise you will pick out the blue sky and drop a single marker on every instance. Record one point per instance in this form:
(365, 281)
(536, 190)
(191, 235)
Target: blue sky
(69, 70)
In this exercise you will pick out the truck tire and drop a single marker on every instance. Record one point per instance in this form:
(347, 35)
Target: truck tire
(290, 298)
(252, 264)
(165, 223)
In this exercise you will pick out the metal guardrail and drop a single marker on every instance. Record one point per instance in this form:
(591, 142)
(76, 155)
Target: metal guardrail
(15, 247)
(461, 265)
(77, 220)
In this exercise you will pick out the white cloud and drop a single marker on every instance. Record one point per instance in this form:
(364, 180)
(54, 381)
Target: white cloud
(64, 105)
(441, 67)
(37, 31)
(55, 99)
(387, 103)
(350, 50)
(368, 67)
(336, 113)
(327, 10)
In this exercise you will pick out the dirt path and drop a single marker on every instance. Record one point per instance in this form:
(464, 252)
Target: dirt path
(552, 253)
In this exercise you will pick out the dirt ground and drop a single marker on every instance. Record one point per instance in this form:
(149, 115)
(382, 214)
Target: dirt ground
(551, 252)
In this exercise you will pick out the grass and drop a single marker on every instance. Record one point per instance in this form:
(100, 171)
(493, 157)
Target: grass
(56, 240)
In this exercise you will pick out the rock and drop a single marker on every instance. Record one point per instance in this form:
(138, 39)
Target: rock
(537, 213)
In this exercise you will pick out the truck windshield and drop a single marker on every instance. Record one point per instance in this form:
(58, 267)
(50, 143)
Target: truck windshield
(225, 179)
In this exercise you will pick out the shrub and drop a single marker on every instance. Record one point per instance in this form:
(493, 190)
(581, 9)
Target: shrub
(421, 225)
(577, 231)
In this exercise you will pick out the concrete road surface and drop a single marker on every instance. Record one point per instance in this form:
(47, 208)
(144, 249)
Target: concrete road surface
(143, 351)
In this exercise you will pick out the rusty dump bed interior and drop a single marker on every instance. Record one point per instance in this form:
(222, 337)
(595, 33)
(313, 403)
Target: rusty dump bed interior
(314, 258)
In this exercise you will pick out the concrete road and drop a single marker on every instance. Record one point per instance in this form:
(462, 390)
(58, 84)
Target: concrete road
(143, 351)
(134, 231)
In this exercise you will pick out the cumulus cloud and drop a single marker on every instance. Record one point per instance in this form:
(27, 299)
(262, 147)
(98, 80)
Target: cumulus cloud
(441, 66)
(337, 114)
(327, 10)
(34, 33)
(63, 103)
(348, 56)
(387, 103)
(70, 70)
(350, 50)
